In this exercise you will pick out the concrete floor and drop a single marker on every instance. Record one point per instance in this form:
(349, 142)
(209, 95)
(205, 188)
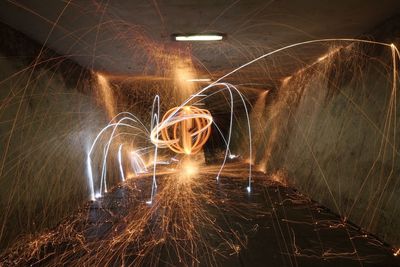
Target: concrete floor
(273, 226)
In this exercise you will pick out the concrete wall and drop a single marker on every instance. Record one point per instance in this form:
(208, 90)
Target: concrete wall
(333, 129)
(47, 119)
(50, 111)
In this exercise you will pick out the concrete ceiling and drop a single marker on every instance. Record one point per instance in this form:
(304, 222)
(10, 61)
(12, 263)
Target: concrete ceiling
(132, 37)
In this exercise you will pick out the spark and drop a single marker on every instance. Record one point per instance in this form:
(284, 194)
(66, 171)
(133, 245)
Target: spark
(195, 130)
(396, 253)
(106, 95)
(195, 123)
(195, 126)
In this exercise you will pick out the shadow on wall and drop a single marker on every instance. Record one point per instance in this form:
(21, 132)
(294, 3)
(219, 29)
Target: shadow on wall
(47, 121)
(333, 128)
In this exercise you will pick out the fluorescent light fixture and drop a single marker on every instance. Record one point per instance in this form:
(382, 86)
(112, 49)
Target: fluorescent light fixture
(197, 37)
(199, 80)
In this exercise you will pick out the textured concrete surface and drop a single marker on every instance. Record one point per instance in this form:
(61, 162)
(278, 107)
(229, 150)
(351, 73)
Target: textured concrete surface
(278, 227)
(47, 118)
(127, 37)
(333, 128)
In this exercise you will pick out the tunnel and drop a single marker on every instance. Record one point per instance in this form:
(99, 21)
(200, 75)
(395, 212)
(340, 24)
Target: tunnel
(199, 133)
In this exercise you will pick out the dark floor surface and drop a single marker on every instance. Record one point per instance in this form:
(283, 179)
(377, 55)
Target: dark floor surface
(277, 226)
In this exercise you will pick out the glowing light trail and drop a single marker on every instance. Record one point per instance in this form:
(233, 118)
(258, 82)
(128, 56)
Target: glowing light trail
(195, 129)
(174, 117)
(137, 163)
(198, 37)
(121, 169)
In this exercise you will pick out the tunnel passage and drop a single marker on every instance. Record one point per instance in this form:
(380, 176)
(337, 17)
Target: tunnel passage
(285, 147)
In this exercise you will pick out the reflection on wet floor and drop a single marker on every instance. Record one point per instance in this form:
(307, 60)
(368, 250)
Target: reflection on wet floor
(214, 224)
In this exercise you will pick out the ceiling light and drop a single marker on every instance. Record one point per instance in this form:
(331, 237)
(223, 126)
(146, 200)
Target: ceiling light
(197, 37)
(199, 80)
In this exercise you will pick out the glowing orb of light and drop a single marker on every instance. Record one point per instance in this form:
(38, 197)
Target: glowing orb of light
(190, 169)
(184, 130)
(187, 171)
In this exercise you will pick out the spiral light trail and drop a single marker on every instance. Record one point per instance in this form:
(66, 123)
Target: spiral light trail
(186, 132)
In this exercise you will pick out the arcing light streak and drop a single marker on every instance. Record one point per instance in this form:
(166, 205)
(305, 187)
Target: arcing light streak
(154, 124)
(199, 117)
(216, 82)
(134, 119)
(103, 180)
(230, 88)
(171, 118)
(90, 178)
(121, 169)
(168, 196)
(299, 44)
(106, 149)
(137, 163)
